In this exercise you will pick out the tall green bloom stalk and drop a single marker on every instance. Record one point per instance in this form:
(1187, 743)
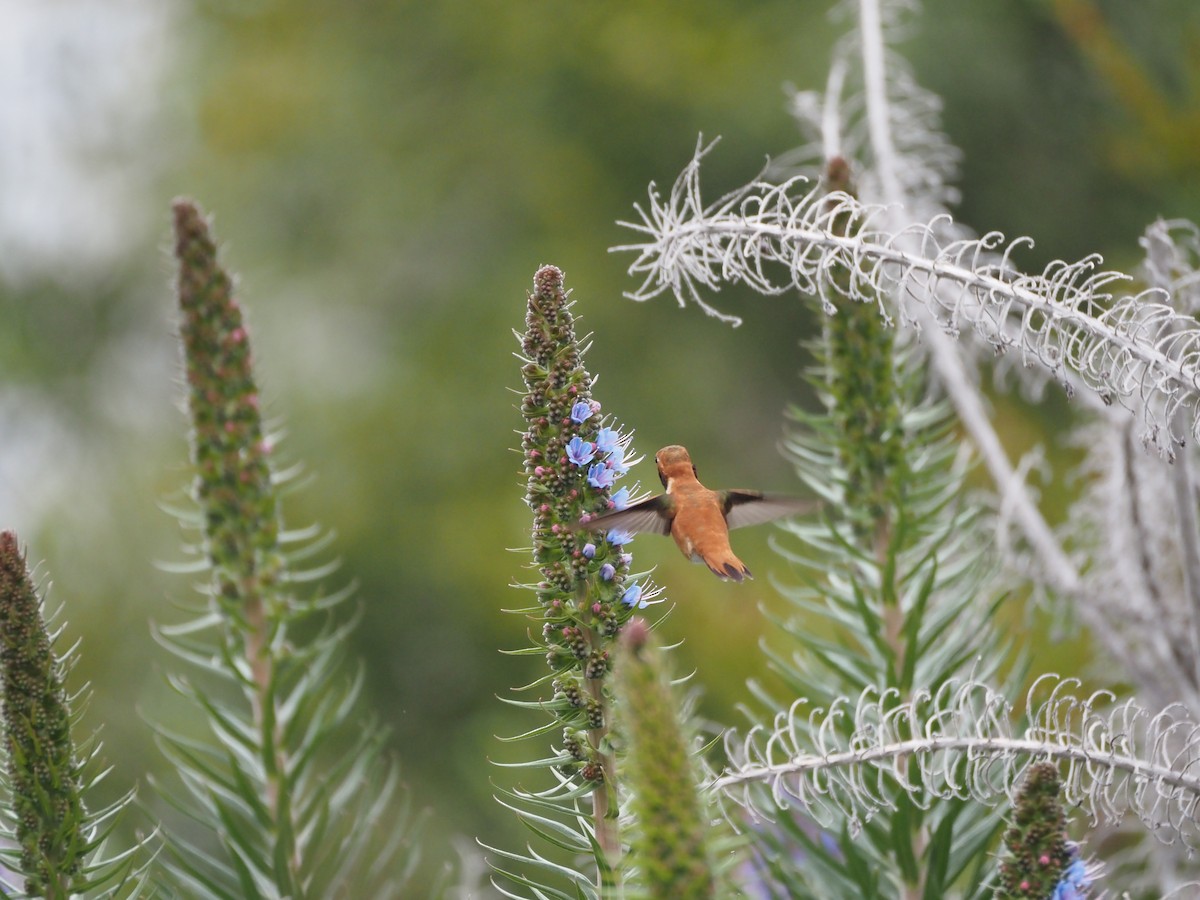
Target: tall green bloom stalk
(230, 453)
(1040, 862)
(61, 843)
(43, 771)
(890, 604)
(573, 456)
(673, 831)
(291, 786)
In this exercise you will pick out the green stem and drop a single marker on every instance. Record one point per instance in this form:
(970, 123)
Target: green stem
(604, 803)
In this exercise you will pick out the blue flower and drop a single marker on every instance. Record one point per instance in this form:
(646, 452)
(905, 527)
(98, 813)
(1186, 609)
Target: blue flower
(581, 411)
(633, 597)
(580, 452)
(1073, 883)
(589, 550)
(607, 440)
(601, 476)
(620, 499)
(618, 537)
(616, 460)
(607, 571)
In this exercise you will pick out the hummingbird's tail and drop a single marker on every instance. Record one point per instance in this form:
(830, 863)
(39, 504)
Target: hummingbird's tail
(726, 566)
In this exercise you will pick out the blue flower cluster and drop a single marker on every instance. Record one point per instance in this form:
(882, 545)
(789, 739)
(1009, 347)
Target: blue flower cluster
(604, 457)
(608, 450)
(605, 460)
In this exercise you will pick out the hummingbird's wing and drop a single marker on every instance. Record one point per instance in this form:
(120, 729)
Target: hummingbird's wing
(743, 508)
(652, 515)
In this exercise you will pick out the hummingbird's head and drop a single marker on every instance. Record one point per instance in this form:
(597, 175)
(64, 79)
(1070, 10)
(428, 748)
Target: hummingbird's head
(673, 461)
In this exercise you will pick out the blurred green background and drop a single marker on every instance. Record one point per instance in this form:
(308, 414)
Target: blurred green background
(385, 178)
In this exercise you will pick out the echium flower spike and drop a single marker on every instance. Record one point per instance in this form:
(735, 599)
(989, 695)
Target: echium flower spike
(229, 449)
(866, 407)
(291, 803)
(1040, 862)
(670, 846)
(43, 772)
(573, 456)
(234, 491)
(569, 477)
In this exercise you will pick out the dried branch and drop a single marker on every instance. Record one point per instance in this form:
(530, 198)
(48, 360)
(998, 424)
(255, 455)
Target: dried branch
(959, 741)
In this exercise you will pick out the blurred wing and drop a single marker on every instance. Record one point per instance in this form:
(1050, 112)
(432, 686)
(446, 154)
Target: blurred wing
(652, 516)
(753, 508)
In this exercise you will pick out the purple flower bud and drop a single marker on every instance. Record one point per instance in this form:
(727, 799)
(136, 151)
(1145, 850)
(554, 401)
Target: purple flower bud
(607, 571)
(589, 550)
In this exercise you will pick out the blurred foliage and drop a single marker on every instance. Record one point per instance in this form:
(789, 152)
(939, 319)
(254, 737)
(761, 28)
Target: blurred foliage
(388, 175)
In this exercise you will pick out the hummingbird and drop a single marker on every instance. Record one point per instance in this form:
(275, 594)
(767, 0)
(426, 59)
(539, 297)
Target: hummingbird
(697, 518)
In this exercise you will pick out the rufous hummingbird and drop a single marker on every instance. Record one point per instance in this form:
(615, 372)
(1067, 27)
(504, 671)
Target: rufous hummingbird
(697, 518)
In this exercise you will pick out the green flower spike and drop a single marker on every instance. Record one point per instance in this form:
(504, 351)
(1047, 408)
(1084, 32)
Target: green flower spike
(866, 407)
(233, 484)
(572, 458)
(289, 782)
(1040, 861)
(670, 847)
(43, 771)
